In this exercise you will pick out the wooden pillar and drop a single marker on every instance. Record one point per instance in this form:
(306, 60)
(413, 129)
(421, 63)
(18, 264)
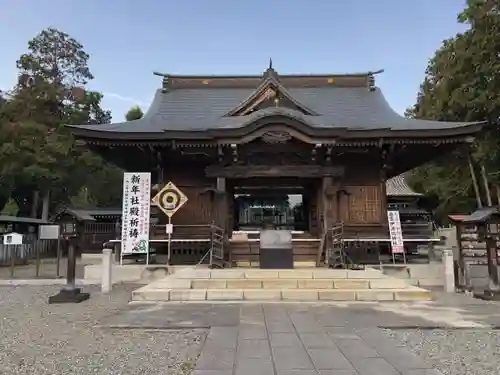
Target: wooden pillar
(383, 195)
(460, 266)
(159, 169)
(311, 202)
(492, 254)
(221, 204)
(326, 184)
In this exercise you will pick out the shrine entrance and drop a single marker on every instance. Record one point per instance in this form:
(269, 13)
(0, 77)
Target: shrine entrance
(271, 202)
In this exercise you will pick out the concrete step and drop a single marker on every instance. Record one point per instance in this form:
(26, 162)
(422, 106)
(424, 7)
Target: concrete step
(280, 283)
(228, 295)
(201, 284)
(256, 264)
(249, 273)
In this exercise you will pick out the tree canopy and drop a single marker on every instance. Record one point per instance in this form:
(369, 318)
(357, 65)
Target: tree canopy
(41, 167)
(134, 113)
(462, 82)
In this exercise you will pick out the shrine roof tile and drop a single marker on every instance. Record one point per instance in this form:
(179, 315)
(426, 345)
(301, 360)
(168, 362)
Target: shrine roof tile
(200, 109)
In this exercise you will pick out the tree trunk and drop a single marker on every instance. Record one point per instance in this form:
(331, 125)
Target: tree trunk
(45, 206)
(486, 186)
(474, 181)
(34, 204)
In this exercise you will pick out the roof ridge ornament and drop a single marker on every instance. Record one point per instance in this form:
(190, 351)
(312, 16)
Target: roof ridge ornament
(371, 79)
(270, 72)
(165, 82)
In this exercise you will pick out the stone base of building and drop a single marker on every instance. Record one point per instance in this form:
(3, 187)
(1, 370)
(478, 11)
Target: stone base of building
(319, 285)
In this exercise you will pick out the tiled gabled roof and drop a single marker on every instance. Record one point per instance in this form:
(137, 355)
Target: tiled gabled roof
(201, 103)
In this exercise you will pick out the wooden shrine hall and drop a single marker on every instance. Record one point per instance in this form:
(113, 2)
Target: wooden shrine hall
(298, 152)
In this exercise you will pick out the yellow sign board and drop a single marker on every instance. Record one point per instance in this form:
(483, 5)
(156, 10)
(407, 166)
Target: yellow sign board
(170, 199)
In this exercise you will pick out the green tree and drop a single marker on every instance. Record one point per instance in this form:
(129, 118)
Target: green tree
(10, 208)
(83, 199)
(461, 84)
(38, 156)
(134, 113)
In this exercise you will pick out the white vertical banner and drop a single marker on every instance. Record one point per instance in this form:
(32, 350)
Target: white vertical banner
(395, 232)
(135, 212)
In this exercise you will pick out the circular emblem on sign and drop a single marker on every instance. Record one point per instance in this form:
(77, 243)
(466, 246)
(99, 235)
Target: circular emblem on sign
(169, 199)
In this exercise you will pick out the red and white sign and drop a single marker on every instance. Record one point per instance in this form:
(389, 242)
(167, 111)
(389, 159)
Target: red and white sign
(395, 232)
(135, 214)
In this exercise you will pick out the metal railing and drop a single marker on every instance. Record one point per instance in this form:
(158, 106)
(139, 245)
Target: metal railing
(183, 231)
(216, 256)
(217, 246)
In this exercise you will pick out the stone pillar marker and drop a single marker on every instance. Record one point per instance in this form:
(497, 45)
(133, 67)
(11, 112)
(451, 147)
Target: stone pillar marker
(107, 281)
(449, 272)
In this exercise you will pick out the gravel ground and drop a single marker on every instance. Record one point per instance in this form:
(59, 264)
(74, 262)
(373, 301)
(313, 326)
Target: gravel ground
(455, 352)
(37, 338)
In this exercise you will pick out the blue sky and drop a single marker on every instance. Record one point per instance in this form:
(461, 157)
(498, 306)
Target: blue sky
(128, 40)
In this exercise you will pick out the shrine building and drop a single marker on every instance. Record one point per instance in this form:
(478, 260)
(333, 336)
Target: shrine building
(300, 152)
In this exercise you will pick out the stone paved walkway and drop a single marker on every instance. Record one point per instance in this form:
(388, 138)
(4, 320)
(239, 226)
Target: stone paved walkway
(323, 339)
(295, 339)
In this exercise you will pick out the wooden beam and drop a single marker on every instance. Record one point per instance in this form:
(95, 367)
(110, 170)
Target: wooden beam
(246, 171)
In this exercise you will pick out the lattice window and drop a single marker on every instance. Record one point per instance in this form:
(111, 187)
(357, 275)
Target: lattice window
(364, 205)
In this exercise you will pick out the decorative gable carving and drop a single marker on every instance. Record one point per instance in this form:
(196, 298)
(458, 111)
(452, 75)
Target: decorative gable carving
(276, 136)
(270, 93)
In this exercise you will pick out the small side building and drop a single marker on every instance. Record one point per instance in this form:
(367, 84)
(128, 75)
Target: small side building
(95, 226)
(417, 224)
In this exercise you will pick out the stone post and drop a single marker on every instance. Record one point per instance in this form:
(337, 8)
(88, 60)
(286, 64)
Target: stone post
(449, 272)
(107, 264)
(118, 246)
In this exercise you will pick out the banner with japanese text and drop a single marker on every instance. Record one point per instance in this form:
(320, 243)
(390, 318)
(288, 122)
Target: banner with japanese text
(135, 212)
(395, 232)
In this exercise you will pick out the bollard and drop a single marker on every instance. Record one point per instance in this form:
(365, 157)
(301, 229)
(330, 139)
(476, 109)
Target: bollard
(449, 272)
(107, 265)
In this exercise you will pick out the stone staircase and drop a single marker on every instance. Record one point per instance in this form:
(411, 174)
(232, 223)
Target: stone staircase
(317, 284)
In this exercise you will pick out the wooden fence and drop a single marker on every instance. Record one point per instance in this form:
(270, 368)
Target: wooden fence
(30, 250)
(95, 234)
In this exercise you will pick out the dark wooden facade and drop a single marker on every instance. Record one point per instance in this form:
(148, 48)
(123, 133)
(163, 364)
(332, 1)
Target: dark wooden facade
(333, 138)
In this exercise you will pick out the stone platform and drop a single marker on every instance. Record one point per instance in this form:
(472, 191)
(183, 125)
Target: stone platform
(316, 284)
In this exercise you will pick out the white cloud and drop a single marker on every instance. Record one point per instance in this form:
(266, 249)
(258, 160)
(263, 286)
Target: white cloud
(127, 99)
